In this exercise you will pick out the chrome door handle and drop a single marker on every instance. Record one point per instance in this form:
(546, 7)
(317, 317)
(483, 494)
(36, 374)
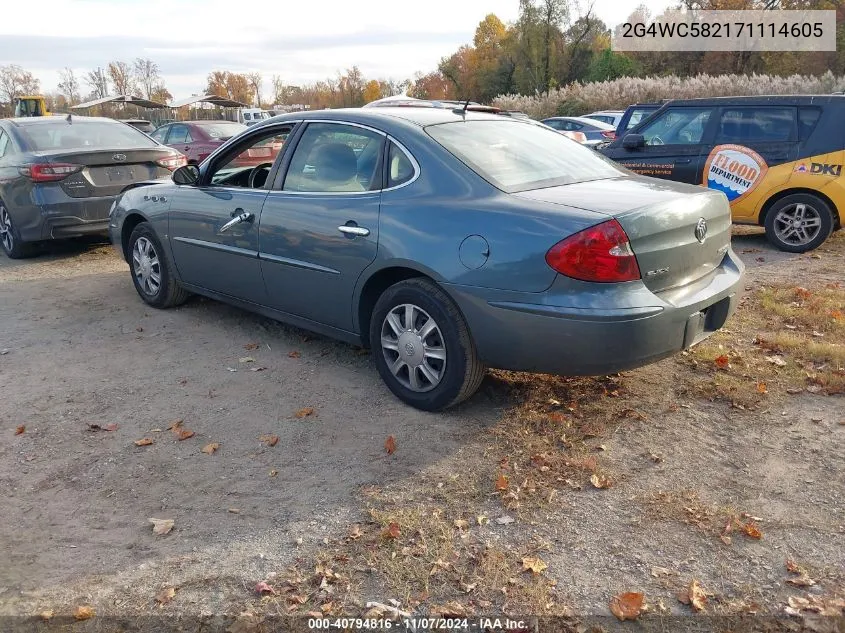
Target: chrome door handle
(354, 230)
(241, 217)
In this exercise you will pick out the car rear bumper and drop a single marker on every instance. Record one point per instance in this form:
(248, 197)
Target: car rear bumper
(53, 215)
(548, 333)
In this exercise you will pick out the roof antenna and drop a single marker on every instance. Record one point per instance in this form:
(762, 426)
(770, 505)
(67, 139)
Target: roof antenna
(462, 111)
(69, 119)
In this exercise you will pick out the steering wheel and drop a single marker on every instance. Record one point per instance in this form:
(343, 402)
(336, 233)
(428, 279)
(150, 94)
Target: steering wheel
(253, 174)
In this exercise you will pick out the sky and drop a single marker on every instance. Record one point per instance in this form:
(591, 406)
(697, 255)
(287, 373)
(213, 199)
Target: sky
(301, 41)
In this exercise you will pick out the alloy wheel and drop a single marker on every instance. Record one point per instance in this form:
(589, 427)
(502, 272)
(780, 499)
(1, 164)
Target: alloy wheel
(6, 229)
(413, 347)
(797, 224)
(146, 266)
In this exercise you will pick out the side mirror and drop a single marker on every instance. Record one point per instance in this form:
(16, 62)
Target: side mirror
(633, 141)
(186, 175)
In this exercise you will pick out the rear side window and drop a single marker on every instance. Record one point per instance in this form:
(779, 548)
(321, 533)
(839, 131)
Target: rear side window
(179, 134)
(756, 124)
(400, 169)
(807, 119)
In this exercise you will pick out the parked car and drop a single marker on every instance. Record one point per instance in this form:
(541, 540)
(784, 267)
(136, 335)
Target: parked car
(60, 175)
(611, 117)
(594, 131)
(140, 124)
(446, 241)
(251, 116)
(198, 139)
(778, 160)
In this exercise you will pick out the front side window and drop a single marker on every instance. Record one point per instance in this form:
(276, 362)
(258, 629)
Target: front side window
(636, 117)
(677, 126)
(515, 156)
(333, 157)
(249, 164)
(761, 124)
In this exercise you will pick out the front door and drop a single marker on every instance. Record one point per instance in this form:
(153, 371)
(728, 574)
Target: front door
(674, 144)
(319, 226)
(214, 225)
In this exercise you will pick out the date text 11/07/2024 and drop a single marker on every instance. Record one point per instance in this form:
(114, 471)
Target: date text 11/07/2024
(419, 625)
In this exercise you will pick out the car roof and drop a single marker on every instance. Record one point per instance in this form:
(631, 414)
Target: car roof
(762, 100)
(421, 116)
(606, 112)
(584, 120)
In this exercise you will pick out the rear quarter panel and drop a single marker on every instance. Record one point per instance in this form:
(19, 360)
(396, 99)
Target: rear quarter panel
(132, 202)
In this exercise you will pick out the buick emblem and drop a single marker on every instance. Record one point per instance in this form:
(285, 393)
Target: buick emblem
(119, 157)
(701, 230)
(409, 349)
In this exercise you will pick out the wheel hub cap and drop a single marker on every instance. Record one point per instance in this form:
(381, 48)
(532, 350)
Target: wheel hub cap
(6, 228)
(798, 224)
(413, 348)
(145, 265)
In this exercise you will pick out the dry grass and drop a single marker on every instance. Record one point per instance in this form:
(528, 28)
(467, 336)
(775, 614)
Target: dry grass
(783, 339)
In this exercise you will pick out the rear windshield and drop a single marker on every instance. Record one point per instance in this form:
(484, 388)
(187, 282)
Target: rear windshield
(222, 130)
(82, 134)
(515, 156)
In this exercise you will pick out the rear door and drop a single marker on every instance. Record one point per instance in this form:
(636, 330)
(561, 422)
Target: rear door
(751, 145)
(675, 140)
(320, 225)
(180, 138)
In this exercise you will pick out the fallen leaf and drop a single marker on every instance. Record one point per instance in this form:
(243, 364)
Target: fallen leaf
(801, 581)
(534, 565)
(161, 526)
(627, 606)
(20, 429)
(97, 427)
(250, 346)
(185, 434)
(761, 388)
(208, 449)
(797, 602)
(657, 572)
(751, 530)
(776, 360)
(269, 440)
(146, 441)
(246, 359)
(355, 532)
(83, 613)
(304, 412)
(793, 567)
(166, 595)
(390, 445)
(273, 473)
(294, 354)
(725, 539)
(505, 520)
(233, 511)
(557, 417)
(46, 614)
(722, 361)
(697, 597)
(601, 481)
(461, 524)
(392, 531)
(257, 368)
(263, 587)
(175, 425)
(501, 482)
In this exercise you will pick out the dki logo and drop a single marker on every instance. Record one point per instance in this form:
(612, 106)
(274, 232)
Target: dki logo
(820, 169)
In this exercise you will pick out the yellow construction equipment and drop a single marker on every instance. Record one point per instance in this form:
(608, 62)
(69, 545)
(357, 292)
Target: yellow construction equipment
(30, 105)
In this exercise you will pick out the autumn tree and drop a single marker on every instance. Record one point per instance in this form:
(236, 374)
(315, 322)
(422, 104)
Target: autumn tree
(431, 86)
(460, 68)
(233, 86)
(122, 79)
(161, 94)
(15, 81)
(69, 86)
(255, 80)
(147, 76)
(98, 82)
(372, 91)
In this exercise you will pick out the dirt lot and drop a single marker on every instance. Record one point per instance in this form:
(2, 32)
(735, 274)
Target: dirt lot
(540, 496)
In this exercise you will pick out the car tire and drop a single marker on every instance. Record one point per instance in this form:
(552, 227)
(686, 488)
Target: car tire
(430, 367)
(10, 240)
(782, 223)
(152, 272)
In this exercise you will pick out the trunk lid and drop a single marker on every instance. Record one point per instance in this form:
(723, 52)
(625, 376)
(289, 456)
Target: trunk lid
(661, 219)
(107, 172)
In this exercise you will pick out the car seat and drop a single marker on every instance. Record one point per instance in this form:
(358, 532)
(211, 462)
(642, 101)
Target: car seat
(336, 168)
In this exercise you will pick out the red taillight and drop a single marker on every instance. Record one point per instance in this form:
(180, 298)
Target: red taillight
(611, 134)
(172, 163)
(49, 172)
(600, 253)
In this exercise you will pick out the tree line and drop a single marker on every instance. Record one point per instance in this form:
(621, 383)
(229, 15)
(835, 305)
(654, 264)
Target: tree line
(552, 44)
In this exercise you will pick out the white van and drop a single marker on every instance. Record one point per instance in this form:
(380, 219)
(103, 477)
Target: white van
(251, 116)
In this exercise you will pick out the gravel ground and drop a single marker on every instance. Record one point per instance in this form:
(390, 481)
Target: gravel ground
(84, 350)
